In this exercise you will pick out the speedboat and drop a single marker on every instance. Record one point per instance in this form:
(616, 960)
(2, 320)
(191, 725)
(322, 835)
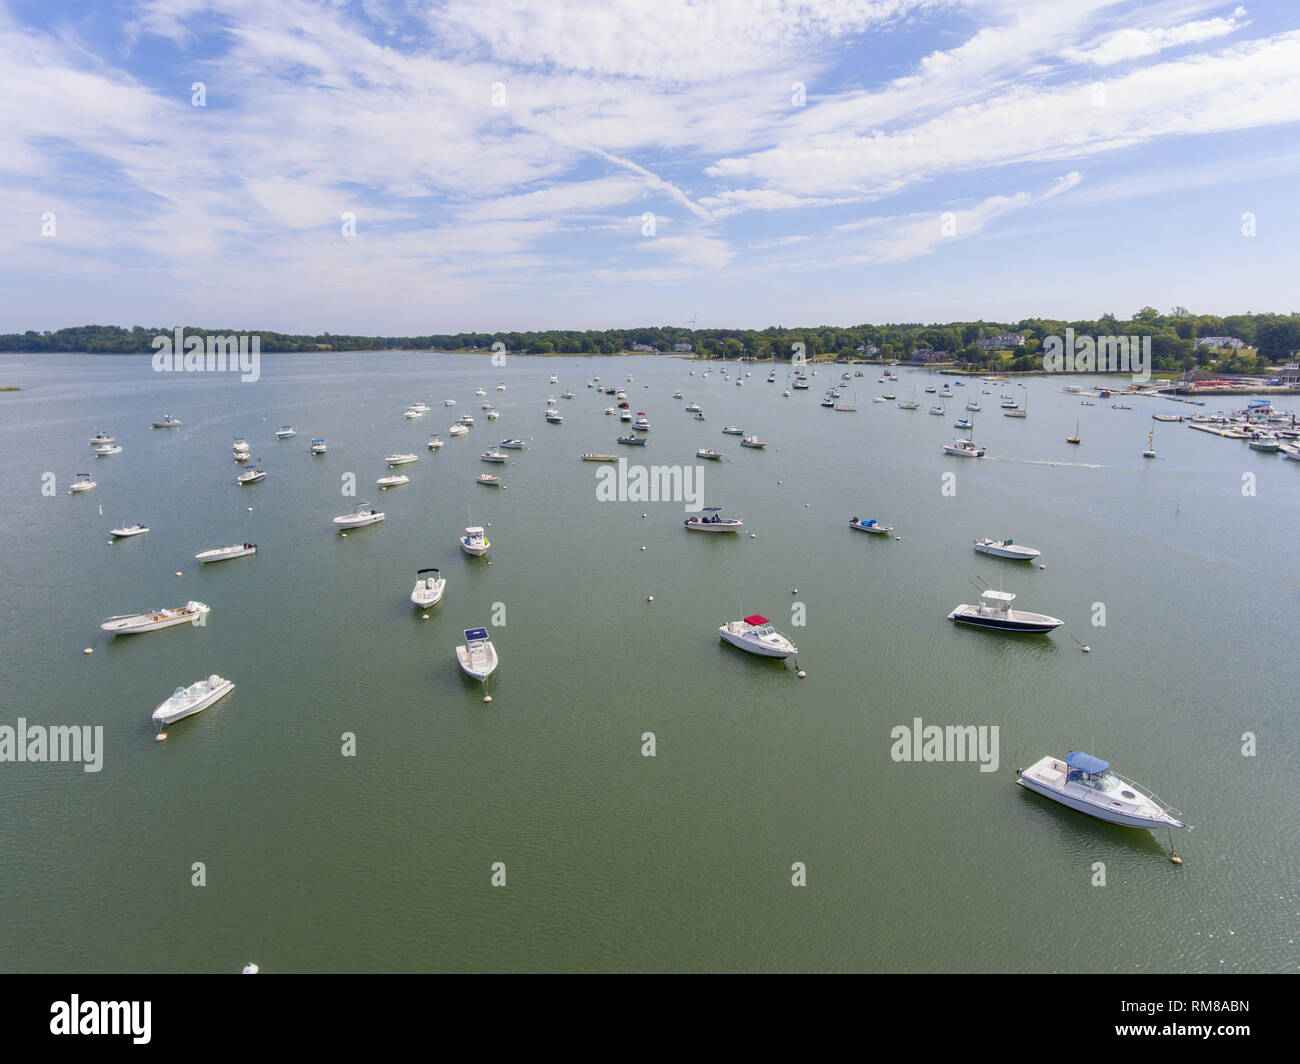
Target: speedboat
(1088, 785)
(152, 620)
(964, 423)
(474, 542)
(104, 450)
(100, 438)
(493, 456)
(449, 402)
(1289, 450)
(362, 514)
(488, 480)
(1264, 442)
(167, 422)
(393, 480)
(429, 586)
(411, 414)
(873, 526)
(632, 441)
(128, 530)
(221, 554)
(1004, 548)
(566, 395)
(642, 423)
(458, 430)
(554, 417)
(186, 701)
(318, 445)
(478, 657)
(434, 442)
(756, 635)
(994, 611)
(964, 449)
(288, 432)
(732, 430)
(710, 453)
(401, 459)
(252, 476)
(467, 419)
(710, 521)
(753, 441)
(692, 408)
(513, 444)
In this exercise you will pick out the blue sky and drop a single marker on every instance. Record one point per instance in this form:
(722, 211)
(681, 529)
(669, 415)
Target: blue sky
(944, 159)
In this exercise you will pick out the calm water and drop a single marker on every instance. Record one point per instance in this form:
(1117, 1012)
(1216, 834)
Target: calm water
(615, 861)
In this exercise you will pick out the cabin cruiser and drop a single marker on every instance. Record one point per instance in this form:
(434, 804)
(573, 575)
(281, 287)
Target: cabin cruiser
(429, 587)
(362, 514)
(756, 635)
(240, 449)
(692, 408)
(994, 611)
(128, 530)
(964, 449)
(677, 395)
(711, 521)
(1004, 548)
(492, 415)
(421, 407)
(458, 430)
(186, 701)
(466, 419)
(566, 395)
(221, 554)
(513, 444)
(873, 526)
(1087, 784)
(642, 423)
(167, 422)
(401, 459)
(478, 657)
(411, 414)
(129, 624)
(732, 430)
(480, 392)
(555, 379)
(449, 402)
(474, 542)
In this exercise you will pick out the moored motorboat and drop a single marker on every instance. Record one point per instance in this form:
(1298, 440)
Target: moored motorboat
(401, 459)
(393, 480)
(100, 438)
(286, 433)
(429, 587)
(994, 611)
(434, 442)
(732, 430)
(710, 520)
(82, 483)
(709, 453)
(753, 441)
(756, 635)
(513, 444)
(167, 422)
(251, 476)
(599, 458)
(872, 525)
(1088, 785)
(186, 701)
(221, 554)
(474, 541)
(104, 450)
(631, 441)
(488, 480)
(1004, 548)
(318, 445)
(554, 417)
(964, 449)
(491, 455)
(458, 430)
(128, 530)
(192, 612)
(362, 514)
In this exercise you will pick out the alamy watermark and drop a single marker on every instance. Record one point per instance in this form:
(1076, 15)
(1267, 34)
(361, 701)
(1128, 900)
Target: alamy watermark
(221, 354)
(1100, 354)
(954, 742)
(59, 742)
(656, 483)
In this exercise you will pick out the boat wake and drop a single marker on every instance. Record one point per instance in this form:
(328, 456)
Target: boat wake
(1041, 461)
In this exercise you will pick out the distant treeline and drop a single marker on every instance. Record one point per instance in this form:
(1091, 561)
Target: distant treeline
(1015, 346)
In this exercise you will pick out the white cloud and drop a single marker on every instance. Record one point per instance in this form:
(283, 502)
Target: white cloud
(1129, 44)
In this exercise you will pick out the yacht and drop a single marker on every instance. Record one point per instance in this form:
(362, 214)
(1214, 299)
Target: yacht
(167, 422)
(566, 395)
(478, 657)
(1087, 784)
(753, 441)
(973, 404)
(849, 408)
(555, 379)
(964, 423)
(873, 526)
(286, 433)
(945, 392)
(401, 459)
(221, 554)
(964, 449)
(994, 611)
(105, 449)
(186, 701)
(100, 438)
(710, 453)
(501, 387)
(491, 455)
(711, 521)
(429, 587)
(474, 542)
(362, 514)
(756, 635)
(1265, 442)
(435, 443)
(152, 620)
(318, 445)
(393, 480)
(513, 444)
(251, 476)
(938, 410)
(128, 530)
(609, 410)
(1004, 548)
(930, 389)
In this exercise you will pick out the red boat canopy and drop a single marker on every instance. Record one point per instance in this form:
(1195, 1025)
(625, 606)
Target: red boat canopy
(756, 620)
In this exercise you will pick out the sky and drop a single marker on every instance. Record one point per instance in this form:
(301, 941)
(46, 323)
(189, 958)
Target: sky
(397, 167)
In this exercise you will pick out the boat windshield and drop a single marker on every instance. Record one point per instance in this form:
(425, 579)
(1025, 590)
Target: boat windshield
(1105, 784)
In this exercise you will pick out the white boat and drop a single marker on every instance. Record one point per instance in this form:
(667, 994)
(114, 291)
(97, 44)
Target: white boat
(963, 423)
(100, 438)
(167, 422)
(128, 530)
(421, 406)
(491, 455)
(286, 433)
(449, 402)
(474, 542)
(240, 446)
(186, 701)
(994, 611)
(709, 453)
(711, 521)
(492, 415)
(753, 441)
(434, 442)
(488, 480)
(699, 417)
(104, 450)
(677, 395)
(610, 410)
(692, 408)
(555, 379)
(480, 392)
(401, 459)
(1289, 450)
(964, 449)
(429, 587)
(930, 389)
(362, 514)
(1087, 784)
(756, 635)
(945, 392)
(973, 404)
(393, 480)
(318, 445)
(554, 418)
(513, 444)
(566, 395)
(152, 620)
(251, 476)
(501, 387)
(733, 430)
(872, 525)
(467, 419)
(641, 424)
(1004, 548)
(938, 410)
(411, 415)
(221, 554)
(458, 430)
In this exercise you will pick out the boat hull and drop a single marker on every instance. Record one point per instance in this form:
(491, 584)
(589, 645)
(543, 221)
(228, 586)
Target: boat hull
(169, 712)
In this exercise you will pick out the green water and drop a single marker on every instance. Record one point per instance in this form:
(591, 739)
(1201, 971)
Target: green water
(616, 861)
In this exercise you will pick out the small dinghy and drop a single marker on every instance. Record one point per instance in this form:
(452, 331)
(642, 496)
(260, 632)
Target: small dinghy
(756, 635)
(478, 657)
(429, 587)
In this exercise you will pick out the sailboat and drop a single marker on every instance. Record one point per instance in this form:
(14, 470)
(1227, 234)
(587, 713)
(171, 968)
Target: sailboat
(1075, 437)
(1018, 411)
(1150, 452)
(909, 404)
